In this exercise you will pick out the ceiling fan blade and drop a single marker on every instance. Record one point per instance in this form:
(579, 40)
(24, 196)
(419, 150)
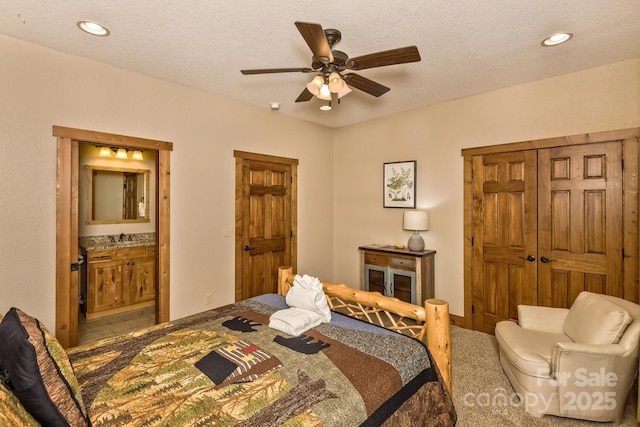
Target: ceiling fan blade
(304, 96)
(365, 85)
(401, 55)
(277, 70)
(314, 35)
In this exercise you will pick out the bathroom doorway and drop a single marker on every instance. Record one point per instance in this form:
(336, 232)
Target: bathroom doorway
(67, 220)
(116, 227)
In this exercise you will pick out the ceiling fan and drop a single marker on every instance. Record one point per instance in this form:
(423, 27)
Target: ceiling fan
(329, 65)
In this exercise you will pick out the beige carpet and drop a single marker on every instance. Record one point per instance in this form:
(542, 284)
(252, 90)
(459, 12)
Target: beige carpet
(477, 377)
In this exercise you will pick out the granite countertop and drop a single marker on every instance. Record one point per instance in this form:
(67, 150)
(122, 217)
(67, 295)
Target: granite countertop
(113, 241)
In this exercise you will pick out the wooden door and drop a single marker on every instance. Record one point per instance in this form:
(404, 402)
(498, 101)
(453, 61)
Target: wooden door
(579, 222)
(504, 239)
(588, 199)
(130, 185)
(265, 222)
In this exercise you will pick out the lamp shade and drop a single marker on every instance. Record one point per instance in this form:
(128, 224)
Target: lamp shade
(416, 220)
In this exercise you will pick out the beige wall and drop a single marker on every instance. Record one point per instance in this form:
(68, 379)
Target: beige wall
(40, 88)
(340, 186)
(594, 100)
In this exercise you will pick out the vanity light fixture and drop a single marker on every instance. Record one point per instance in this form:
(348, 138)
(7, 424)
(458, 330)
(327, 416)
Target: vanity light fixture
(105, 152)
(556, 39)
(93, 28)
(120, 153)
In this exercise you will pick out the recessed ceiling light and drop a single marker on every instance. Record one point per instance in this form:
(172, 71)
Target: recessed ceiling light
(93, 28)
(556, 39)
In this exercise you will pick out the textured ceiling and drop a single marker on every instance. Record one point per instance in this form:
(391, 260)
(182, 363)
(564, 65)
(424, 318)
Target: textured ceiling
(467, 46)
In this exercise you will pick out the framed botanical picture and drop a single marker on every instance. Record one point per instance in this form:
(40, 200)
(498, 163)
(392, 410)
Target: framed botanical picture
(399, 185)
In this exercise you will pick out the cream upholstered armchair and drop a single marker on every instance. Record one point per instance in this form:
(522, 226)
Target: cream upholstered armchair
(579, 362)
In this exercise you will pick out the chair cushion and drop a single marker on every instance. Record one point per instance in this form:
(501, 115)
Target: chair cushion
(593, 319)
(39, 371)
(527, 350)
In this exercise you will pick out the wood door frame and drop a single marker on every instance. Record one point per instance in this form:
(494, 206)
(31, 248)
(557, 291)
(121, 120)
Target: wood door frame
(240, 157)
(67, 222)
(631, 207)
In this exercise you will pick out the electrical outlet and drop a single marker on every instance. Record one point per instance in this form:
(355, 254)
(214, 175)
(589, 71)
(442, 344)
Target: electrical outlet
(208, 299)
(227, 231)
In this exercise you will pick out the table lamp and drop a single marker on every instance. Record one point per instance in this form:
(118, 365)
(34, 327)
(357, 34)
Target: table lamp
(416, 221)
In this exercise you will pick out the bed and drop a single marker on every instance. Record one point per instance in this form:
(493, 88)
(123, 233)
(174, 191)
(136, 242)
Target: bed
(227, 367)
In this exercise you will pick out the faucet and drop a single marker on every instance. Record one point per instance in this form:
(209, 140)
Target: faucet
(121, 237)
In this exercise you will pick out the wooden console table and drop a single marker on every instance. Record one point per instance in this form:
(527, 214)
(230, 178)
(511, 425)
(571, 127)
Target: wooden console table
(400, 273)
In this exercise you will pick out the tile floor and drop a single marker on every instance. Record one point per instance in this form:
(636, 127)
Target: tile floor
(109, 326)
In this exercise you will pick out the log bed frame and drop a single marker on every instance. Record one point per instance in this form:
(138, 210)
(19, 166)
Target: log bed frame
(430, 323)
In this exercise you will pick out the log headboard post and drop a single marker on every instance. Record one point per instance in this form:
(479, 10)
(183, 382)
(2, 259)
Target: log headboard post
(285, 279)
(439, 336)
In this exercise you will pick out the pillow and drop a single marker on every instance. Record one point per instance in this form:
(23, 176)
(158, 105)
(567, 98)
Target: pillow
(593, 319)
(39, 371)
(12, 413)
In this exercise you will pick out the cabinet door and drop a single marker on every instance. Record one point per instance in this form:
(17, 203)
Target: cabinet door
(375, 279)
(106, 288)
(144, 286)
(403, 285)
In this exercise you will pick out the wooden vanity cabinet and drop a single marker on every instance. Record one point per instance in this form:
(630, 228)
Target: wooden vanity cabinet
(118, 280)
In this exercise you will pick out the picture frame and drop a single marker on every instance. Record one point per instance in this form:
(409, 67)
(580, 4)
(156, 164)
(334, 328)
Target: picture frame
(399, 184)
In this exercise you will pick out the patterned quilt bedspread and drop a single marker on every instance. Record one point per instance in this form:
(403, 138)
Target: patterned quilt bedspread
(227, 367)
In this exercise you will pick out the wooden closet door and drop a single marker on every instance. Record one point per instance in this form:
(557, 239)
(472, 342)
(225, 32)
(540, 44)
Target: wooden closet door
(579, 222)
(504, 236)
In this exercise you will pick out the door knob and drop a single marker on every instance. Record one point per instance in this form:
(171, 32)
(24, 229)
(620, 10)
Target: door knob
(546, 260)
(247, 248)
(528, 258)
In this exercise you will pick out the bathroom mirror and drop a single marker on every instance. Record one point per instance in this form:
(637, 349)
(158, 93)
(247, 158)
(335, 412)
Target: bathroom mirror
(117, 195)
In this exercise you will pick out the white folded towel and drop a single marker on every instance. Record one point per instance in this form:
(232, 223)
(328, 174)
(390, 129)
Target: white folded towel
(308, 299)
(308, 282)
(294, 321)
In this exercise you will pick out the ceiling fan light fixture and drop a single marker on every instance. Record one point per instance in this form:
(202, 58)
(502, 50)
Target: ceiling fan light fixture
(325, 93)
(318, 82)
(556, 39)
(346, 90)
(315, 85)
(313, 89)
(335, 82)
(327, 65)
